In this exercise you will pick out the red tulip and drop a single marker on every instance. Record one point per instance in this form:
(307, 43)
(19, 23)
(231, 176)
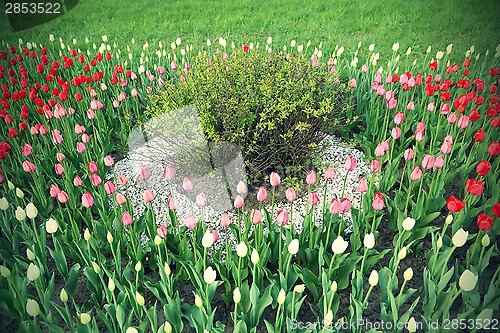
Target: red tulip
(350, 163)
(87, 200)
(311, 178)
(261, 194)
(274, 179)
(454, 205)
(484, 222)
(225, 221)
(239, 202)
(169, 172)
(256, 216)
(290, 194)
(201, 200)
(148, 196)
(496, 209)
(474, 187)
(479, 135)
(145, 173)
(494, 149)
(483, 168)
(378, 201)
(126, 219)
(313, 198)
(187, 184)
(172, 203)
(282, 217)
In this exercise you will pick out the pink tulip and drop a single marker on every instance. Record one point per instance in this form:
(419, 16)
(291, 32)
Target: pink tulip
(419, 135)
(313, 198)
(62, 197)
(378, 77)
(430, 107)
(187, 184)
(428, 161)
(116, 104)
(437, 78)
(256, 216)
(95, 179)
(350, 163)
(148, 196)
(57, 137)
(60, 157)
(87, 200)
(353, 84)
(173, 65)
(215, 234)
(241, 188)
(108, 161)
(190, 222)
(329, 172)
(381, 90)
(439, 162)
(420, 126)
(59, 169)
(452, 118)
(403, 79)
(92, 166)
(85, 138)
(109, 187)
(396, 133)
(90, 114)
(444, 109)
(169, 172)
(239, 202)
(385, 145)
(145, 173)
(463, 121)
(80, 147)
(410, 106)
(77, 181)
(172, 203)
(126, 219)
(375, 165)
(120, 199)
(311, 178)
(336, 206)
(408, 155)
(29, 167)
(364, 68)
(27, 150)
(379, 151)
(225, 221)
(282, 217)
(346, 204)
(274, 179)
(378, 201)
(161, 70)
(290, 194)
(392, 103)
(134, 92)
(446, 147)
(161, 231)
(416, 173)
(122, 180)
(261, 194)
(362, 185)
(399, 117)
(54, 191)
(201, 200)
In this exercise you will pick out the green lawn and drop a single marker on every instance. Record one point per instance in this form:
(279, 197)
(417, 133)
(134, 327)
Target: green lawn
(345, 22)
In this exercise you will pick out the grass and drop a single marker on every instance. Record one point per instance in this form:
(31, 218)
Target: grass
(415, 24)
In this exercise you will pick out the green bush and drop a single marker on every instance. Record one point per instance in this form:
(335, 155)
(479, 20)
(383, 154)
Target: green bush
(276, 108)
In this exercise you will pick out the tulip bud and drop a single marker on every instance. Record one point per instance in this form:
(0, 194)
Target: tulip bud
(20, 214)
(281, 296)
(139, 299)
(236, 295)
(166, 269)
(369, 240)
(10, 185)
(30, 254)
(208, 239)
(4, 271)
(86, 234)
(339, 245)
(197, 301)
(408, 274)
(138, 266)
(51, 226)
(299, 288)
(95, 267)
(85, 318)
(63, 295)
(31, 211)
(19, 193)
(109, 237)
(167, 327)
(131, 330)
(4, 204)
(32, 308)
(33, 272)
(255, 257)
(293, 246)
(111, 285)
(241, 188)
(334, 286)
(485, 241)
(157, 240)
(408, 223)
(373, 279)
(209, 275)
(412, 325)
(449, 219)
(402, 253)
(327, 321)
(460, 237)
(467, 280)
(241, 249)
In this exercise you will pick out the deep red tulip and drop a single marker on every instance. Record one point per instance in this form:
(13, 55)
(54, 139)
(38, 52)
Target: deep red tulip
(484, 222)
(494, 148)
(454, 205)
(479, 135)
(483, 167)
(474, 186)
(496, 209)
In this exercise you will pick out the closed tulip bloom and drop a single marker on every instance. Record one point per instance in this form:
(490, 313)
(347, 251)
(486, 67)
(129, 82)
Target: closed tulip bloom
(346, 204)
(416, 173)
(375, 166)
(328, 319)
(290, 194)
(378, 201)
(201, 200)
(209, 275)
(452, 118)
(396, 133)
(190, 222)
(350, 163)
(311, 178)
(483, 167)
(29, 167)
(20, 214)
(95, 179)
(373, 279)
(172, 203)
(369, 240)
(460, 237)
(312, 198)
(207, 239)
(225, 221)
(54, 191)
(468, 280)
(281, 296)
(80, 147)
(109, 187)
(446, 147)
(187, 184)
(126, 219)
(85, 138)
(479, 135)
(4, 204)
(495, 210)
(428, 161)
(408, 223)
(282, 217)
(398, 118)
(261, 194)
(379, 151)
(254, 257)
(484, 222)
(485, 241)
(408, 155)
(402, 253)
(162, 231)
(120, 199)
(494, 149)
(139, 299)
(57, 137)
(241, 188)
(122, 180)
(92, 166)
(241, 249)
(439, 162)
(463, 121)
(169, 172)
(145, 172)
(336, 207)
(33, 272)
(236, 295)
(329, 173)
(293, 246)
(108, 161)
(148, 196)
(408, 274)
(256, 216)
(198, 301)
(87, 200)
(474, 186)
(62, 197)
(32, 308)
(339, 245)
(362, 185)
(239, 202)
(31, 211)
(274, 179)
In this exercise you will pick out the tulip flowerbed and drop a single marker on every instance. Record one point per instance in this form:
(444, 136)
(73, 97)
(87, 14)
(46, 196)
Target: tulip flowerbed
(422, 255)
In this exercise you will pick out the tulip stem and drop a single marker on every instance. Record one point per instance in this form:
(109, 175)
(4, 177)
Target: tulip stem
(373, 222)
(445, 264)
(408, 197)
(291, 220)
(366, 297)
(363, 261)
(280, 247)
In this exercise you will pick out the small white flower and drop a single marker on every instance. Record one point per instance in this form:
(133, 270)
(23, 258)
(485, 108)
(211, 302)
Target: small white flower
(209, 275)
(408, 223)
(369, 240)
(467, 280)
(373, 279)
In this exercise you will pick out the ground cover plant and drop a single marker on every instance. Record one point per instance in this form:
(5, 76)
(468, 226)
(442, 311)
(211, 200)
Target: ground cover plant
(422, 254)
